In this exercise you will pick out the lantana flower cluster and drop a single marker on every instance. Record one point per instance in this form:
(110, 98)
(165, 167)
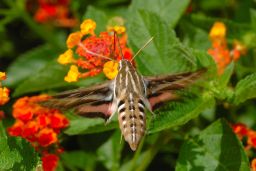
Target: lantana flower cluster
(220, 50)
(4, 93)
(40, 126)
(90, 54)
(248, 136)
(55, 11)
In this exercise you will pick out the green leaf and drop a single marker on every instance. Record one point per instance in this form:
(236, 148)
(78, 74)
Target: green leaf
(245, 89)
(178, 113)
(98, 16)
(78, 160)
(81, 125)
(165, 54)
(216, 148)
(194, 36)
(110, 152)
(29, 63)
(16, 153)
(253, 18)
(168, 10)
(225, 77)
(50, 77)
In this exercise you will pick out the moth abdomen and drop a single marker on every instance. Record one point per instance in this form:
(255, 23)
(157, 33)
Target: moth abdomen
(132, 121)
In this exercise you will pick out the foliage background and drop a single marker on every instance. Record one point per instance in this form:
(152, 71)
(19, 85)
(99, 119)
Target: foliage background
(190, 134)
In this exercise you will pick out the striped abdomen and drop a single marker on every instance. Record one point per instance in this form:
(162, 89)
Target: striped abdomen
(132, 120)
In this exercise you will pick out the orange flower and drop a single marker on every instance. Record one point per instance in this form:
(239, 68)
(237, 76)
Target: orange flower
(38, 124)
(30, 129)
(94, 51)
(56, 11)
(253, 164)
(240, 129)
(47, 137)
(4, 95)
(50, 162)
(16, 129)
(218, 31)
(73, 74)
(58, 121)
(73, 39)
(87, 27)
(2, 76)
(110, 69)
(219, 50)
(66, 57)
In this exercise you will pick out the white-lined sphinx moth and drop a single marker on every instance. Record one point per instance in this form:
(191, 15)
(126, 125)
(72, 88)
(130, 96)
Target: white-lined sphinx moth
(128, 94)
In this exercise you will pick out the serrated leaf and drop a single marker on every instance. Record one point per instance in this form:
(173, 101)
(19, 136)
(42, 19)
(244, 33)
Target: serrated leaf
(165, 54)
(98, 16)
(16, 153)
(110, 152)
(29, 63)
(50, 77)
(82, 125)
(194, 36)
(245, 89)
(178, 113)
(216, 148)
(169, 11)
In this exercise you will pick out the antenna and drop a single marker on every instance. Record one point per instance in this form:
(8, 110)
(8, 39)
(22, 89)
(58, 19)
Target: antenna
(119, 45)
(142, 47)
(92, 53)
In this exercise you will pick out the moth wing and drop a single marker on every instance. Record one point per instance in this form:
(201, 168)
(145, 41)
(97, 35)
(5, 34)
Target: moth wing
(162, 88)
(93, 101)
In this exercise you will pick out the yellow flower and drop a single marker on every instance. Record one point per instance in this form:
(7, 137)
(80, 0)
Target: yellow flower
(2, 76)
(74, 39)
(73, 74)
(4, 95)
(218, 30)
(110, 69)
(117, 29)
(88, 26)
(66, 57)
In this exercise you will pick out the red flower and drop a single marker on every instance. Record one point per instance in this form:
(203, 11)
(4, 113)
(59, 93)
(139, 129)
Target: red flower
(30, 129)
(16, 129)
(39, 125)
(56, 11)
(240, 129)
(47, 137)
(58, 121)
(50, 162)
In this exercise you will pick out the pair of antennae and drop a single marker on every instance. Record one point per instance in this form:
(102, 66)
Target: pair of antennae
(119, 46)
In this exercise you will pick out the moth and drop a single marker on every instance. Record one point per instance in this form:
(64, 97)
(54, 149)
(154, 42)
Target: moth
(129, 95)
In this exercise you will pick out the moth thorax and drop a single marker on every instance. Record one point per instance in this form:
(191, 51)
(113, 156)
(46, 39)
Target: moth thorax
(132, 121)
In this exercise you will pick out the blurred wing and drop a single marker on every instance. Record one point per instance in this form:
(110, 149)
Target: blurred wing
(93, 101)
(162, 88)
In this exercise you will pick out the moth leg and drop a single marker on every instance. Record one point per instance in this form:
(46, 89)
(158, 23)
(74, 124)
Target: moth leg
(112, 110)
